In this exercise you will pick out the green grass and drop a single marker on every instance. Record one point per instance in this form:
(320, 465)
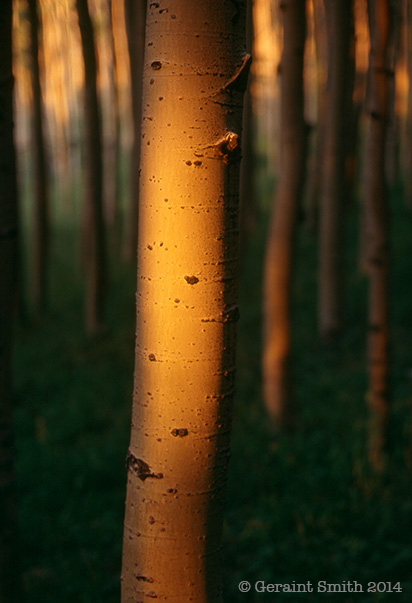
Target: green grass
(304, 506)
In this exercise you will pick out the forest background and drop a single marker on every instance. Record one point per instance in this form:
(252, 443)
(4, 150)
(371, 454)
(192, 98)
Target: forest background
(301, 505)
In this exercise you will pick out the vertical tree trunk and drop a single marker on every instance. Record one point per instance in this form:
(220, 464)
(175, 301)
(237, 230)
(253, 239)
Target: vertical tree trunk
(113, 205)
(408, 153)
(8, 282)
(279, 252)
(248, 205)
(376, 225)
(315, 163)
(135, 16)
(337, 116)
(194, 76)
(94, 251)
(41, 188)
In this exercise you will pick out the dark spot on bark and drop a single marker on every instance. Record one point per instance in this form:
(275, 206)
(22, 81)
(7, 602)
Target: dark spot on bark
(166, 200)
(173, 16)
(151, 520)
(140, 468)
(144, 578)
(229, 148)
(232, 315)
(191, 280)
(181, 433)
(150, 247)
(197, 163)
(188, 162)
(156, 65)
(171, 491)
(160, 98)
(154, 5)
(151, 81)
(163, 10)
(152, 358)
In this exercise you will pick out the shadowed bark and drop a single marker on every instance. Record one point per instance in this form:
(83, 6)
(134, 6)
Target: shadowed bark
(41, 186)
(337, 116)
(280, 245)
(376, 225)
(135, 15)
(93, 233)
(8, 290)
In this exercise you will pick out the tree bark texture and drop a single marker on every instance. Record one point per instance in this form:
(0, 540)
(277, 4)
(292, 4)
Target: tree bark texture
(195, 73)
(94, 243)
(376, 225)
(8, 286)
(41, 188)
(337, 116)
(280, 245)
(135, 16)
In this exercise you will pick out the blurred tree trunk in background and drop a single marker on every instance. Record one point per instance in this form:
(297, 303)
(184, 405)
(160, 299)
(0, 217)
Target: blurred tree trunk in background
(337, 117)
(376, 224)
(41, 185)
(194, 78)
(248, 204)
(315, 162)
(392, 137)
(280, 245)
(93, 229)
(408, 150)
(8, 289)
(135, 15)
(114, 197)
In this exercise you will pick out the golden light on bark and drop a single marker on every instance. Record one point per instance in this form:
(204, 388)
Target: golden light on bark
(194, 76)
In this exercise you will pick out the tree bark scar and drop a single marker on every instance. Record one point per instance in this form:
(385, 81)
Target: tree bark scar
(232, 315)
(143, 578)
(239, 80)
(191, 280)
(181, 433)
(140, 468)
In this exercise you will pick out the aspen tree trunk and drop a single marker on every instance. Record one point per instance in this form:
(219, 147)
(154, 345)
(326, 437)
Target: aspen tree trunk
(195, 73)
(93, 234)
(337, 116)
(41, 188)
(113, 205)
(8, 282)
(315, 164)
(376, 226)
(135, 16)
(248, 205)
(408, 153)
(279, 252)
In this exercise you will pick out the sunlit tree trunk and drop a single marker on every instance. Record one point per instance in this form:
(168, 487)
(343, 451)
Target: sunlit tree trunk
(8, 278)
(376, 226)
(93, 235)
(279, 252)
(195, 73)
(135, 16)
(41, 187)
(337, 118)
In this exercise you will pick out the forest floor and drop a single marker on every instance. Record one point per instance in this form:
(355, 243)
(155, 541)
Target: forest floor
(301, 507)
